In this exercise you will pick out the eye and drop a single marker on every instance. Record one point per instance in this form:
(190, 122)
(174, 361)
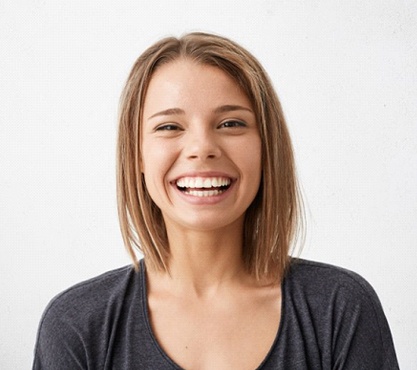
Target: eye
(167, 127)
(232, 124)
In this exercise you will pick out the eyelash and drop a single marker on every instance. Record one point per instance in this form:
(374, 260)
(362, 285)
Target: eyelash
(235, 123)
(167, 127)
(226, 124)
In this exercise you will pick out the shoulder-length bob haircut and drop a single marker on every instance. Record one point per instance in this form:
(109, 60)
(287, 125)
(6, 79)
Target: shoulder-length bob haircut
(275, 218)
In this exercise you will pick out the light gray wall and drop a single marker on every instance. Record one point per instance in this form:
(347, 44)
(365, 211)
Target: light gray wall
(346, 75)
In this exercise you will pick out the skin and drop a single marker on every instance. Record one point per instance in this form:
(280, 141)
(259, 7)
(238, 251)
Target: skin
(198, 124)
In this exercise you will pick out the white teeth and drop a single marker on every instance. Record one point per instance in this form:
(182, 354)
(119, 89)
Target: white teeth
(202, 182)
(194, 185)
(203, 193)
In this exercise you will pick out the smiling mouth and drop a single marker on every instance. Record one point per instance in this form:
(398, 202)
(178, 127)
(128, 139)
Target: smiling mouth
(203, 186)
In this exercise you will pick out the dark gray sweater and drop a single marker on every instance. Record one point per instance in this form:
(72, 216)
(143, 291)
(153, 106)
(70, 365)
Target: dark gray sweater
(331, 319)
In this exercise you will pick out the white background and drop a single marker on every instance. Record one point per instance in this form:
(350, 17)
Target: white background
(344, 70)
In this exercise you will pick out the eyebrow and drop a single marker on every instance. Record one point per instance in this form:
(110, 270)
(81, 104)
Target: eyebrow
(221, 109)
(168, 112)
(231, 108)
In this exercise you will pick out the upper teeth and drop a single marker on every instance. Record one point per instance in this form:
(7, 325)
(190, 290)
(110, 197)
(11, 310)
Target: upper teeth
(202, 182)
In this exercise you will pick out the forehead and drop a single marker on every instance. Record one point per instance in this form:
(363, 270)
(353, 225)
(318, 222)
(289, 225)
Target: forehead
(187, 83)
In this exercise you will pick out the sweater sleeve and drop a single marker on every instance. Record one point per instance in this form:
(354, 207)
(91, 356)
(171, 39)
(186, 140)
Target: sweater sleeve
(333, 320)
(361, 337)
(59, 344)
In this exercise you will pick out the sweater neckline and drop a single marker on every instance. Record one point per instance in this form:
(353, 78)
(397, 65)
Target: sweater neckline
(164, 355)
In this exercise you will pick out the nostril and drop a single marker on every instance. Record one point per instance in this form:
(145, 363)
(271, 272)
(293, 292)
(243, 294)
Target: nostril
(202, 148)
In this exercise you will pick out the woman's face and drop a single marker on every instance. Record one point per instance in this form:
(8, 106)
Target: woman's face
(201, 149)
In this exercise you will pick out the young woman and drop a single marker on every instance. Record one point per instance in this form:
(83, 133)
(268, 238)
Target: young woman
(207, 192)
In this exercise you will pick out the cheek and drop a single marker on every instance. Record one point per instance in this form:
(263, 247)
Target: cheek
(255, 163)
(152, 184)
(155, 164)
(252, 154)
(149, 158)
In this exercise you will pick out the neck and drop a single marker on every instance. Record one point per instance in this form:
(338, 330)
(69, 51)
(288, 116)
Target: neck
(201, 262)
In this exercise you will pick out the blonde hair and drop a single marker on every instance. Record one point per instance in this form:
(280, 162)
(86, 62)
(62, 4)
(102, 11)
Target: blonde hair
(273, 220)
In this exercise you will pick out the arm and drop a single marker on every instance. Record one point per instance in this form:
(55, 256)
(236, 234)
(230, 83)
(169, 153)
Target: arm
(361, 335)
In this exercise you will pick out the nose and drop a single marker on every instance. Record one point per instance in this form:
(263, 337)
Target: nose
(202, 144)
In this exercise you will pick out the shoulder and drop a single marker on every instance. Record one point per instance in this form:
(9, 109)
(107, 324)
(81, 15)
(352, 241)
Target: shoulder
(76, 325)
(325, 293)
(339, 311)
(307, 268)
(87, 304)
(91, 293)
(318, 277)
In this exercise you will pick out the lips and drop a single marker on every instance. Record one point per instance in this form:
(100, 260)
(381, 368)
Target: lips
(203, 186)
